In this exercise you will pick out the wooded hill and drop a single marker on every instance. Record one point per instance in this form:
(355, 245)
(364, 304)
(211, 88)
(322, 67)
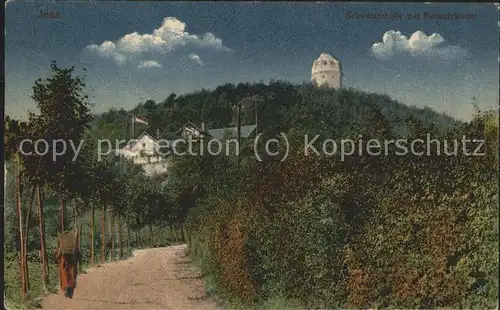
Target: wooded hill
(280, 107)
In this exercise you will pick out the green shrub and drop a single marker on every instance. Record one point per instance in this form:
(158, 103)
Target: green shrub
(389, 231)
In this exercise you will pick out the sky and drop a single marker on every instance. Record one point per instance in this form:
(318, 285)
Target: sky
(134, 51)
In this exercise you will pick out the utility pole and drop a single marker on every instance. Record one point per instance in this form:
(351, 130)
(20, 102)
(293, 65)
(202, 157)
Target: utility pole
(256, 110)
(238, 129)
(257, 183)
(133, 124)
(202, 114)
(237, 107)
(474, 104)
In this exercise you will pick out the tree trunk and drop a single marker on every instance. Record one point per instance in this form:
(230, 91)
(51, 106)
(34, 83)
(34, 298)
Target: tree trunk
(103, 235)
(22, 269)
(151, 234)
(92, 230)
(75, 222)
(112, 224)
(62, 208)
(25, 243)
(41, 229)
(80, 231)
(128, 239)
(77, 228)
(182, 235)
(75, 217)
(120, 237)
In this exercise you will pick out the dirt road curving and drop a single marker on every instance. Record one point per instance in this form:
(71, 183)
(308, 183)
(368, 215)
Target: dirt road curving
(159, 278)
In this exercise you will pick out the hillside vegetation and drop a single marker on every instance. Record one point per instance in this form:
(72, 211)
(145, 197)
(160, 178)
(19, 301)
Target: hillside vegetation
(367, 231)
(311, 231)
(280, 107)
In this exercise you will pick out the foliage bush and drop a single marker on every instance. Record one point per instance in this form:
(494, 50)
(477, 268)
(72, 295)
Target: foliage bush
(366, 232)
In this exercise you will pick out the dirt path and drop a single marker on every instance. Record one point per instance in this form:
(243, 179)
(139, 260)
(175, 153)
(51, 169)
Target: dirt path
(160, 278)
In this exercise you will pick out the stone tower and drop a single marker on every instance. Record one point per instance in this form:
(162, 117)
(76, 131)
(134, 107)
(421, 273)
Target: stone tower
(327, 71)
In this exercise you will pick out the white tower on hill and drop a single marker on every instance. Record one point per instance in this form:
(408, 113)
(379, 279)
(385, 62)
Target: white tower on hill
(326, 71)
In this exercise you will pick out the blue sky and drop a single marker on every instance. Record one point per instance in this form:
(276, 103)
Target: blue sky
(138, 50)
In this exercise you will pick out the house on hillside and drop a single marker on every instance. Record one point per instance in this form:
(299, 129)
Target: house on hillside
(189, 129)
(143, 150)
(246, 131)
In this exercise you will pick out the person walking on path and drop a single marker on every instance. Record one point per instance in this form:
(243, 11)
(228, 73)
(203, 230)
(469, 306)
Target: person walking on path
(68, 268)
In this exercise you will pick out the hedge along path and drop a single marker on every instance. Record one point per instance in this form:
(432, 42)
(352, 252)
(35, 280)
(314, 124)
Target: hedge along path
(159, 278)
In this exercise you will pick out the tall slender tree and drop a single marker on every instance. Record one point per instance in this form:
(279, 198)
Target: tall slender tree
(64, 114)
(15, 132)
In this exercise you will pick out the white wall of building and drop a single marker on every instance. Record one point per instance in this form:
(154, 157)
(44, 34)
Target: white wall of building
(156, 168)
(143, 153)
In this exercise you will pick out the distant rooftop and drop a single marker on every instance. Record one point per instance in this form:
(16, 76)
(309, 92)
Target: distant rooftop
(216, 133)
(220, 133)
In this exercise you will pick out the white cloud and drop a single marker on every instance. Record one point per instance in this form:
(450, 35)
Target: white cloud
(419, 44)
(108, 50)
(195, 58)
(149, 64)
(170, 35)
